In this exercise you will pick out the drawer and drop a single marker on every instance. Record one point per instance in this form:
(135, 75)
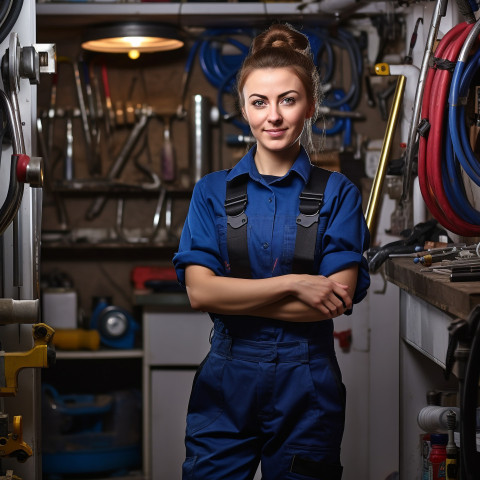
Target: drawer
(176, 338)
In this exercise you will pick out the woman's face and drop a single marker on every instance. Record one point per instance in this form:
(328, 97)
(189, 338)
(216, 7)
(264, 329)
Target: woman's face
(276, 107)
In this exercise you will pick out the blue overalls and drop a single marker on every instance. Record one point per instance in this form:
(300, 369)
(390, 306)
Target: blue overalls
(269, 391)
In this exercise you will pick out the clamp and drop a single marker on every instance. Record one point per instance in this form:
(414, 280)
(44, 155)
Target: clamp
(42, 355)
(11, 443)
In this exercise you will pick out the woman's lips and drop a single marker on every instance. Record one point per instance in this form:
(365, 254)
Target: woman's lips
(277, 132)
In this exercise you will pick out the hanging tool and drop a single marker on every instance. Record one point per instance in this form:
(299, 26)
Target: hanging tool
(121, 160)
(51, 114)
(41, 355)
(69, 172)
(402, 214)
(110, 114)
(408, 59)
(168, 166)
(92, 168)
(91, 112)
(157, 218)
(57, 199)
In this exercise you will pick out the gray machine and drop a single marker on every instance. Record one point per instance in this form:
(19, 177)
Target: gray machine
(24, 341)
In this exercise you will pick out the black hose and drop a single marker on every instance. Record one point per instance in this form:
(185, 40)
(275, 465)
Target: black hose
(468, 402)
(466, 11)
(9, 12)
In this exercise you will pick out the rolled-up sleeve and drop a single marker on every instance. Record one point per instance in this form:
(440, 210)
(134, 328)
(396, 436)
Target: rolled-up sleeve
(198, 242)
(346, 235)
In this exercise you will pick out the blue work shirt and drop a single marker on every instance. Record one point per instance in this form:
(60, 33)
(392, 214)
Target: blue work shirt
(271, 210)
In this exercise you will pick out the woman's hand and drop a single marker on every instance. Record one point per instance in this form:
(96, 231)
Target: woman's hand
(326, 295)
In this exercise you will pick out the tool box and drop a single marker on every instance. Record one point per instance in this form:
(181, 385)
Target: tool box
(89, 434)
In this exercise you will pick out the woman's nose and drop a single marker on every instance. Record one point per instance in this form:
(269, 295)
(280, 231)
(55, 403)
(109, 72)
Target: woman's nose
(274, 114)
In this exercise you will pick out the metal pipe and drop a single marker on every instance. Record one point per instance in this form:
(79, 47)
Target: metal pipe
(200, 154)
(8, 109)
(468, 45)
(439, 12)
(376, 191)
(18, 311)
(13, 199)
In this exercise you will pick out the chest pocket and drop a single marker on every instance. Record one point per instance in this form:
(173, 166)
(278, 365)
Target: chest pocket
(306, 235)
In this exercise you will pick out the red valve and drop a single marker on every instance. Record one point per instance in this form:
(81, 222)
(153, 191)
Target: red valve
(22, 163)
(344, 339)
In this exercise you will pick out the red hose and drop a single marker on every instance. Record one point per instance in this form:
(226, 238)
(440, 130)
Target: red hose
(430, 154)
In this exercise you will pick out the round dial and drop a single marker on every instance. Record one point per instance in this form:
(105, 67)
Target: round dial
(114, 324)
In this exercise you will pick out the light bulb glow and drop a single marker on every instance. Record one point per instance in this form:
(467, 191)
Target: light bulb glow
(134, 42)
(133, 54)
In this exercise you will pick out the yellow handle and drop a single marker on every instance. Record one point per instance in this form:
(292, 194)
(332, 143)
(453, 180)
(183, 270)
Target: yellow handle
(76, 339)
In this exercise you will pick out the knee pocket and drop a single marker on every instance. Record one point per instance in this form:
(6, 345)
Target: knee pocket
(313, 464)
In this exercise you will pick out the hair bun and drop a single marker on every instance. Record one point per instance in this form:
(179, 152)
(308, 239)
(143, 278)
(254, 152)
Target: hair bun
(280, 43)
(281, 36)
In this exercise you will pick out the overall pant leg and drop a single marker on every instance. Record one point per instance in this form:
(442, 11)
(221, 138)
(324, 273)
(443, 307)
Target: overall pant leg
(282, 403)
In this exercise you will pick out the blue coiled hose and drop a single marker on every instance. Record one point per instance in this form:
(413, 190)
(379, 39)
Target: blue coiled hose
(458, 151)
(461, 79)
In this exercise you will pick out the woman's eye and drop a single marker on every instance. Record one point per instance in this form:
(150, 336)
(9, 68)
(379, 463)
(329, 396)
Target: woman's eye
(288, 100)
(258, 103)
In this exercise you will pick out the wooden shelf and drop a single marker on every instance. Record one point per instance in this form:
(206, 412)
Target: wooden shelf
(89, 187)
(98, 354)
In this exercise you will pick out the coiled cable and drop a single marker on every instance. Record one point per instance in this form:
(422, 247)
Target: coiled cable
(439, 175)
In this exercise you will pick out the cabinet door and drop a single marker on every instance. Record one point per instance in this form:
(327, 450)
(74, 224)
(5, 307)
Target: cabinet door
(170, 393)
(180, 339)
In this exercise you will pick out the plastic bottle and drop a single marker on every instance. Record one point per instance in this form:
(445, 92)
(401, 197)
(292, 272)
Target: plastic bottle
(438, 456)
(425, 454)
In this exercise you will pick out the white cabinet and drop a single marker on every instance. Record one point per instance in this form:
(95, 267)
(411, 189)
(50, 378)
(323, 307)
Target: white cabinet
(175, 344)
(170, 390)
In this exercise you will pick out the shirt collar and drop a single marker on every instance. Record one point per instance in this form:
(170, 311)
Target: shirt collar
(246, 165)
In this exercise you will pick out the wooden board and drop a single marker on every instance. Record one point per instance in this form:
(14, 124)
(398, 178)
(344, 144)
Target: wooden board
(457, 299)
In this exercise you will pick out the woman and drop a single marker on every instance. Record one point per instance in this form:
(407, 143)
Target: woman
(270, 390)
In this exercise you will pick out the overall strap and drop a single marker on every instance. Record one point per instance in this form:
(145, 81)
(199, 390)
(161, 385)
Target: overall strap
(311, 200)
(237, 247)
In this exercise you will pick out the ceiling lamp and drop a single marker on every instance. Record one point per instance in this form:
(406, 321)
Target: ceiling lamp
(133, 38)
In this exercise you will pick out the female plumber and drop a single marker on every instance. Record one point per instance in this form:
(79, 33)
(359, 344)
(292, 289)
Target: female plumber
(270, 389)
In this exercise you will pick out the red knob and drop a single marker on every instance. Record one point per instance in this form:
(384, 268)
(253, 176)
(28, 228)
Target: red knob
(22, 163)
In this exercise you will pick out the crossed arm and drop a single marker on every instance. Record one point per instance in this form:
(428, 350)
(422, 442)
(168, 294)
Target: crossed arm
(294, 298)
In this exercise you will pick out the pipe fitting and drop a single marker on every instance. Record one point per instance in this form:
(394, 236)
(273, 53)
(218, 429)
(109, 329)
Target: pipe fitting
(18, 311)
(30, 170)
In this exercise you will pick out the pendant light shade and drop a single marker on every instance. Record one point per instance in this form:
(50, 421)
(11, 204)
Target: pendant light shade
(132, 36)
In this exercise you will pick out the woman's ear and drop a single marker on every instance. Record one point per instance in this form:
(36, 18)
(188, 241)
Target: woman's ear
(310, 111)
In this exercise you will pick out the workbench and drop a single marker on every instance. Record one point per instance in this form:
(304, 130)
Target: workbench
(429, 303)
(455, 298)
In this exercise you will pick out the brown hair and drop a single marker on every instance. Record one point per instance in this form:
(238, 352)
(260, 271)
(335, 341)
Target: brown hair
(283, 46)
